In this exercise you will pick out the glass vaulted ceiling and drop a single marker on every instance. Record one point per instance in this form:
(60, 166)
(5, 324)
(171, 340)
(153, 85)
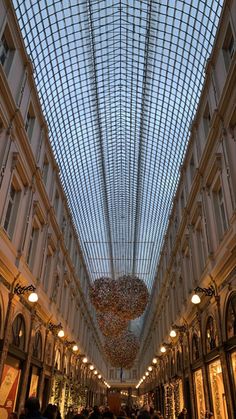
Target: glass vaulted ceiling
(119, 82)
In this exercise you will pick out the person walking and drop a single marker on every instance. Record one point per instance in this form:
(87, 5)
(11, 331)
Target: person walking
(32, 408)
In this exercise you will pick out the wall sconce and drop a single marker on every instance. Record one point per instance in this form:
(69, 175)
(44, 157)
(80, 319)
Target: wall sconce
(209, 292)
(99, 376)
(91, 367)
(150, 368)
(182, 329)
(85, 360)
(154, 361)
(164, 346)
(57, 328)
(75, 348)
(20, 290)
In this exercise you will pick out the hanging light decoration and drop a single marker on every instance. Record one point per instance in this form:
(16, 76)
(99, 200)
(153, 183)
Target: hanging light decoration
(132, 297)
(111, 325)
(122, 350)
(102, 294)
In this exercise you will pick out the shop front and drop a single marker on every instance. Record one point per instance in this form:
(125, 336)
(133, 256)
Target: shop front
(199, 394)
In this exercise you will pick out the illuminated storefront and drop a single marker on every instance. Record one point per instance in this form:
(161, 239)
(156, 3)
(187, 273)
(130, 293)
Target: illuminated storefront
(217, 390)
(199, 392)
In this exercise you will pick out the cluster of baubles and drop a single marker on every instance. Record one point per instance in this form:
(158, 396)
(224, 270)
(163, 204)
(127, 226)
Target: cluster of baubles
(117, 302)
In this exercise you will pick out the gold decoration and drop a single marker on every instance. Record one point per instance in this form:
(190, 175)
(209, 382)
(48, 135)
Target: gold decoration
(102, 294)
(131, 297)
(122, 350)
(110, 324)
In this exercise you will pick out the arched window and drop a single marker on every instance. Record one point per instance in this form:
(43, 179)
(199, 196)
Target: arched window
(18, 332)
(211, 334)
(37, 346)
(179, 361)
(195, 347)
(58, 360)
(231, 317)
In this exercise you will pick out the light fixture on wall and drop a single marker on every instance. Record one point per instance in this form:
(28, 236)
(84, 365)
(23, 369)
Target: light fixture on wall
(99, 376)
(209, 292)
(173, 333)
(150, 368)
(75, 348)
(163, 349)
(85, 360)
(154, 361)
(147, 373)
(61, 333)
(20, 290)
(57, 328)
(95, 372)
(91, 367)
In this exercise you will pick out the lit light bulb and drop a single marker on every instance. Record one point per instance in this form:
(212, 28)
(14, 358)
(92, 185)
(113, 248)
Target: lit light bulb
(147, 373)
(99, 376)
(150, 368)
(33, 297)
(95, 372)
(195, 299)
(85, 360)
(61, 334)
(173, 333)
(154, 361)
(144, 377)
(163, 349)
(75, 348)
(91, 367)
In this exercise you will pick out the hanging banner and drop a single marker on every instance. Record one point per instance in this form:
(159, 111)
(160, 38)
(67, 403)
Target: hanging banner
(8, 390)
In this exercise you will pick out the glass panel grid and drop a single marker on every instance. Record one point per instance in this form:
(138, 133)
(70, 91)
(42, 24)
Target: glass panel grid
(119, 82)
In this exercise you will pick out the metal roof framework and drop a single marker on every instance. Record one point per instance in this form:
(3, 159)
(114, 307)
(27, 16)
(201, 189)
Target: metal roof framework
(119, 82)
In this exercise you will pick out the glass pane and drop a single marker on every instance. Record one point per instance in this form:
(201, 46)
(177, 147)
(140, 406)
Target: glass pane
(217, 390)
(199, 392)
(119, 85)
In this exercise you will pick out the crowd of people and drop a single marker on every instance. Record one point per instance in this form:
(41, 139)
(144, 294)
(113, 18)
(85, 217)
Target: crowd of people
(32, 411)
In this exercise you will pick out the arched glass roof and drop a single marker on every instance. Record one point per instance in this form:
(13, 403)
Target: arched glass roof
(119, 82)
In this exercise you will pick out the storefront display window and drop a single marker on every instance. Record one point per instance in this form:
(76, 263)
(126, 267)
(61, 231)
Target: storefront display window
(199, 391)
(217, 390)
(8, 389)
(233, 360)
(231, 317)
(34, 383)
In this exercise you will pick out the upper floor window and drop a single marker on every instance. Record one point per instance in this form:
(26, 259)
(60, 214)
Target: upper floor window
(192, 168)
(206, 119)
(47, 269)
(45, 170)
(6, 50)
(228, 47)
(220, 212)
(29, 122)
(33, 241)
(56, 202)
(12, 208)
